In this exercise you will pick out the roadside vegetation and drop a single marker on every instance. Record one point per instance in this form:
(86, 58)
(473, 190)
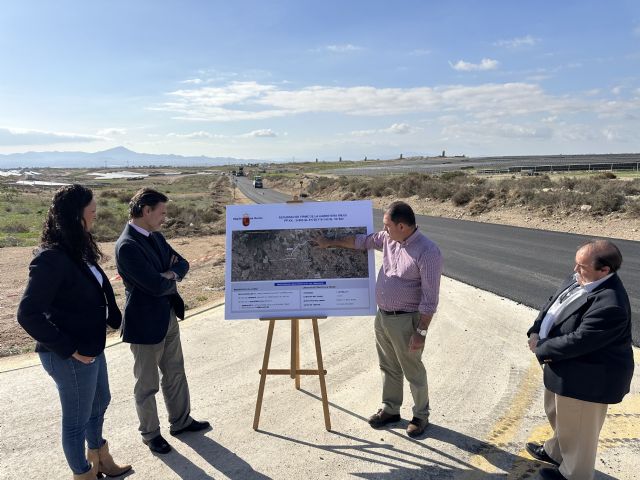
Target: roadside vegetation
(196, 207)
(597, 194)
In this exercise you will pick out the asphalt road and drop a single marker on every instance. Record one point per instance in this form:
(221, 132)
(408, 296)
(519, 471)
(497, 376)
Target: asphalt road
(521, 264)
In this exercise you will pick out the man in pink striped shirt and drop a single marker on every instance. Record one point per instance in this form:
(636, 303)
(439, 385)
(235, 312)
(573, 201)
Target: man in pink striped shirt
(407, 292)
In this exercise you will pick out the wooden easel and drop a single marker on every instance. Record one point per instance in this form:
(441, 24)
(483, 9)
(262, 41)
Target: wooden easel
(295, 370)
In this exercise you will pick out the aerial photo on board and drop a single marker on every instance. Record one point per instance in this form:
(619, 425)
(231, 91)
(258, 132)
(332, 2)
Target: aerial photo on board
(293, 254)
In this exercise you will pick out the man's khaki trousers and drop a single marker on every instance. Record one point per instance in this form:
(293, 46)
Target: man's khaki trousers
(166, 357)
(576, 427)
(396, 361)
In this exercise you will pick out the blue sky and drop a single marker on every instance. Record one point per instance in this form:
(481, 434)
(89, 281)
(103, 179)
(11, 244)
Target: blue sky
(308, 79)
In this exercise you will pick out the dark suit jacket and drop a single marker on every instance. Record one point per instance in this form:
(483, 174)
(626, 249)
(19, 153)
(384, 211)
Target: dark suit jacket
(149, 296)
(588, 353)
(64, 307)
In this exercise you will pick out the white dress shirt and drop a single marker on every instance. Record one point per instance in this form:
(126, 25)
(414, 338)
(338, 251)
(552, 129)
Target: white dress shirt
(570, 295)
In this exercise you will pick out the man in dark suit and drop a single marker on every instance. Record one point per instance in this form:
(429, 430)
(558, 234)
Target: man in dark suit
(582, 336)
(150, 268)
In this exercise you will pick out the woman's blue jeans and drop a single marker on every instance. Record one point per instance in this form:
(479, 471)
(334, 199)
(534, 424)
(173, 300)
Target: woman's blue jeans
(84, 396)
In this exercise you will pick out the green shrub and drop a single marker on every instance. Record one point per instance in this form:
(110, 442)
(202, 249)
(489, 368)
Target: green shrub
(632, 187)
(589, 185)
(448, 176)
(632, 207)
(10, 241)
(479, 206)
(124, 197)
(15, 227)
(347, 196)
(534, 183)
(109, 225)
(606, 201)
(568, 183)
(606, 176)
(462, 197)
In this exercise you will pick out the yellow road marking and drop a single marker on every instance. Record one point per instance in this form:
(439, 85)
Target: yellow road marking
(621, 426)
(509, 425)
(623, 422)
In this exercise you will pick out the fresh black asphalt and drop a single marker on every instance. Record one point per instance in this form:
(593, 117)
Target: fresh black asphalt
(522, 264)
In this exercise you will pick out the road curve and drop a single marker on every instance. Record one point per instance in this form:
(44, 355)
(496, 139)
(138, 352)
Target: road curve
(521, 264)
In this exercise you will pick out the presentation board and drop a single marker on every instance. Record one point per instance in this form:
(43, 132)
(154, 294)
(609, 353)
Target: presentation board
(275, 269)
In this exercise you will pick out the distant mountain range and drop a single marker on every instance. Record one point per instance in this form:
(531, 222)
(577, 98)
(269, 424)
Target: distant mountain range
(114, 157)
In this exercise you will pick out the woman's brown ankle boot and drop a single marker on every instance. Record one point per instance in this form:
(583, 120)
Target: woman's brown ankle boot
(104, 461)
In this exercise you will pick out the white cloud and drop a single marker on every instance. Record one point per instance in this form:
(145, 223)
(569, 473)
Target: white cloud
(396, 129)
(487, 129)
(21, 136)
(611, 134)
(193, 135)
(112, 132)
(192, 81)
(485, 64)
(400, 128)
(240, 101)
(636, 31)
(616, 90)
(527, 41)
(262, 133)
(346, 48)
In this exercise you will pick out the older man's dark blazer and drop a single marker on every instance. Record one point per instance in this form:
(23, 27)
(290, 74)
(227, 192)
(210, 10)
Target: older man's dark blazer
(149, 296)
(64, 307)
(588, 353)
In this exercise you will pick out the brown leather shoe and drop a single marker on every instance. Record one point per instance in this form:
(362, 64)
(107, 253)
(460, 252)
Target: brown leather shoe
(416, 427)
(382, 418)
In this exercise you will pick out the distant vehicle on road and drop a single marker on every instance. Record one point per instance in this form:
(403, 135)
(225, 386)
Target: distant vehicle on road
(240, 172)
(257, 182)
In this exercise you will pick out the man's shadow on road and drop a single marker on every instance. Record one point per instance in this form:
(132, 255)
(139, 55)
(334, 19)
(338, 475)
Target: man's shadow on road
(222, 459)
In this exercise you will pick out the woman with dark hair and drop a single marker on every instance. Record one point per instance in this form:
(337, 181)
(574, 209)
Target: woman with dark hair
(66, 308)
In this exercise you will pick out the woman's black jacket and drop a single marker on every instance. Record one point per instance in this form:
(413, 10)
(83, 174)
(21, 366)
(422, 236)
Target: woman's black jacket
(64, 307)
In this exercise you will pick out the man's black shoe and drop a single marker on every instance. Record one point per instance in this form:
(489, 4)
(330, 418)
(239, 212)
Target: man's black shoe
(551, 474)
(537, 451)
(417, 426)
(382, 418)
(158, 445)
(194, 426)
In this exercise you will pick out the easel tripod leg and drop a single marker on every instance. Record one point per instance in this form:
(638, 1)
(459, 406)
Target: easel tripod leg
(263, 374)
(323, 386)
(297, 353)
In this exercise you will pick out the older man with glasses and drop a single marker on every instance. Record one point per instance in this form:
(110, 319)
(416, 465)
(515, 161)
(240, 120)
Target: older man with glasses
(582, 336)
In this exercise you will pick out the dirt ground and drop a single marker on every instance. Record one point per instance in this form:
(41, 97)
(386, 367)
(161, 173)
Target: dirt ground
(205, 282)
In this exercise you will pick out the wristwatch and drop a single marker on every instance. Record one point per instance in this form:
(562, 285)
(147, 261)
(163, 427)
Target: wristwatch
(421, 332)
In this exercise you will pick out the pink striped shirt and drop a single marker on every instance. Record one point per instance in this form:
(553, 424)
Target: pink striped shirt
(409, 278)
